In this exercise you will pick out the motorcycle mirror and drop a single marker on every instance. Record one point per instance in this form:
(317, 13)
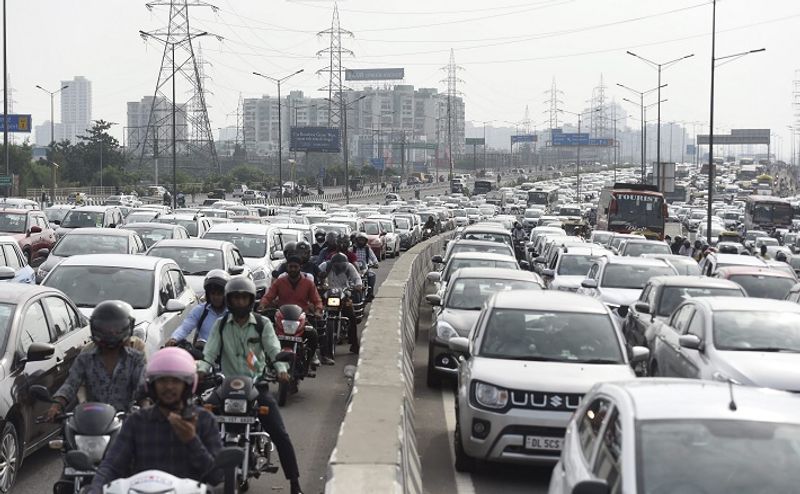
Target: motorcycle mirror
(229, 458)
(79, 460)
(41, 393)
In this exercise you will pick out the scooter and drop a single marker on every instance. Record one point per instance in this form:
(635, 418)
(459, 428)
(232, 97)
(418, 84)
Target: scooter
(290, 328)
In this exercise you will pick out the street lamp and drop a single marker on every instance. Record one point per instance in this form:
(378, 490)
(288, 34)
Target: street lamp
(345, 147)
(52, 135)
(644, 125)
(280, 137)
(714, 61)
(578, 161)
(101, 153)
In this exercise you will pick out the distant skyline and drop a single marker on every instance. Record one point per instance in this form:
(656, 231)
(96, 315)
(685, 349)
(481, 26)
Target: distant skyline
(511, 51)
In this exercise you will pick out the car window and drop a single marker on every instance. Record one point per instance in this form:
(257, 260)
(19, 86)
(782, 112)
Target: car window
(238, 259)
(646, 293)
(42, 222)
(178, 282)
(681, 318)
(230, 260)
(589, 426)
(34, 328)
(165, 289)
(696, 326)
(607, 466)
(62, 317)
(593, 271)
(12, 260)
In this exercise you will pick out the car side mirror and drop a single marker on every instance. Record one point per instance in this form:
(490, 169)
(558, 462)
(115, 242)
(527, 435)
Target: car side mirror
(7, 273)
(589, 283)
(642, 307)
(548, 273)
(459, 344)
(35, 229)
(236, 270)
(591, 487)
(55, 222)
(434, 300)
(437, 259)
(434, 277)
(690, 341)
(639, 354)
(175, 305)
(525, 265)
(39, 352)
(540, 260)
(278, 254)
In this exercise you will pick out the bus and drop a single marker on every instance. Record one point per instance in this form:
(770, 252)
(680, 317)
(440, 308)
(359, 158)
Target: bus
(483, 186)
(767, 213)
(748, 173)
(542, 197)
(628, 208)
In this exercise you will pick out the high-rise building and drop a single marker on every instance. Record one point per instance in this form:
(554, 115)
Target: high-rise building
(261, 120)
(42, 133)
(138, 117)
(76, 107)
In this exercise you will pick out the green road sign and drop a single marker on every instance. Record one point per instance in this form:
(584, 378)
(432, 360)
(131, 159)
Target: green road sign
(5, 180)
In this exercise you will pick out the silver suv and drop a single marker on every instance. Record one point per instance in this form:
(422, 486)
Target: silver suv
(525, 367)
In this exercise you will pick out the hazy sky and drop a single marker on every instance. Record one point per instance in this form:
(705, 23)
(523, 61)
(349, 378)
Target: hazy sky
(510, 51)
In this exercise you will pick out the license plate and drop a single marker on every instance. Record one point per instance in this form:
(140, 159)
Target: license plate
(71, 472)
(298, 339)
(544, 443)
(229, 419)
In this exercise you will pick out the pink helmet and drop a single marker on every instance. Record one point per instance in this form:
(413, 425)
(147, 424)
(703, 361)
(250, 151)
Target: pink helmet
(172, 362)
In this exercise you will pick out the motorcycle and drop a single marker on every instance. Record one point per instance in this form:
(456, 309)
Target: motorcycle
(427, 233)
(88, 429)
(290, 328)
(519, 249)
(234, 402)
(336, 324)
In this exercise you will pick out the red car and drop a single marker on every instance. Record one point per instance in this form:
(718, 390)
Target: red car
(376, 237)
(759, 282)
(29, 227)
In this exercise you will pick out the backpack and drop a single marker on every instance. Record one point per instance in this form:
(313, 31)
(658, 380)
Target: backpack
(224, 322)
(200, 324)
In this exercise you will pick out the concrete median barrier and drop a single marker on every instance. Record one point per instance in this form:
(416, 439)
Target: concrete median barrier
(377, 450)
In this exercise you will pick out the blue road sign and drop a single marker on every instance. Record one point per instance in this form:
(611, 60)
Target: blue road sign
(16, 123)
(523, 138)
(315, 139)
(378, 163)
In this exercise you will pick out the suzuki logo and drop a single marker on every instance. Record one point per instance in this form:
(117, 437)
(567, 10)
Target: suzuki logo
(555, 401)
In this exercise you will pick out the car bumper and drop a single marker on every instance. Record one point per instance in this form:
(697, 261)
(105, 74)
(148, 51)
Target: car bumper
(505, 442)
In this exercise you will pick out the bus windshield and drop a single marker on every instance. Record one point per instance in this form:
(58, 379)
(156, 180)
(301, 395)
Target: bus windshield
(538, 197)
(771, 213)
(637, 211)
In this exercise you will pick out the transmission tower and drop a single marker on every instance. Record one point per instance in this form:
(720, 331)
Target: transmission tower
(598, 121)
(553, 103)
(526, 121)
(179, 62)
(239, 145)
(334, 69)
(452, 93)
(796, 128)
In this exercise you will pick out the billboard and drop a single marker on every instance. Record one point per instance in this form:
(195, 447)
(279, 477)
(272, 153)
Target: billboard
(16, 123)
(523, 138)
(373, 74)
(737, 136)
(315, 139)
(475, 141)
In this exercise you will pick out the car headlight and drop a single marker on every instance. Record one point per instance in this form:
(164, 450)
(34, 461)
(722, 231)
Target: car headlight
(491, 396)
(93, 446)
(235, 406)
(259, 275)
(445, 331)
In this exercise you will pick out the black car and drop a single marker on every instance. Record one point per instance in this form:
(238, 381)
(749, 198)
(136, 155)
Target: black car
(217, 194)
(42, 334)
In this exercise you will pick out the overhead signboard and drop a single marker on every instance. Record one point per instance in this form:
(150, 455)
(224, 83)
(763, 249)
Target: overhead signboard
(16, 123)
(475, 141)
(578, 139)
(315, 139)
(737, 137)
(415, 145)
(378, 163)
(374, 74)
(523, 138)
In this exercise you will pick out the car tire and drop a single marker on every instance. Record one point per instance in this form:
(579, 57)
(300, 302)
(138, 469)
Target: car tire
(463, 462)
(9, 457)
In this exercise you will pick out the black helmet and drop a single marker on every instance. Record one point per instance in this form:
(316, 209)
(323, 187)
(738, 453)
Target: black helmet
(331, 238)
(240, 284)
(320, 235)
(343, 243)
(303, 250)
(289, 249)
(112, 323)
(780, 256)
(216, 278)
(339, 263)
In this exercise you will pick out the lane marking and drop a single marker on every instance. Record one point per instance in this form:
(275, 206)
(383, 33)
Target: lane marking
(464, 484)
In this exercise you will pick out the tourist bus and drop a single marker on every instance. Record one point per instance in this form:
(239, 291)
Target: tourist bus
(767, 213)
(542, 197)
(628, 208)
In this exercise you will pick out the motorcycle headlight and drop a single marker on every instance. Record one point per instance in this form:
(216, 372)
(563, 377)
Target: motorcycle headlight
(93, 446)
(491, 396)
(445, 331)
(259, 275)
(334, 302)
(235, 406)
(290, 327)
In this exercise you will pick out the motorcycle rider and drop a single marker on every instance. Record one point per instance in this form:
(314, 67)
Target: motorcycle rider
(202, 318)
(366, 255)
(331, 239)
(319, 236)
(343, 275)
(341, 245)
(296, 289)
(430, 224)
(172, 436)
(241, 351)
(112, 371)
(302, 250)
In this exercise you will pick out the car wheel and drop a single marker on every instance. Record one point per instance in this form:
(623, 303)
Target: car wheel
(9, 457)
(464, 463)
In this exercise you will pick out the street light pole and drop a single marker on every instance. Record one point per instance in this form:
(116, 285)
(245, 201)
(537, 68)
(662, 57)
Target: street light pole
(644, 124)
(280, 135)
(52, 137)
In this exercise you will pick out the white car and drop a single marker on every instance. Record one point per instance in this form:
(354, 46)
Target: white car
(392, 237)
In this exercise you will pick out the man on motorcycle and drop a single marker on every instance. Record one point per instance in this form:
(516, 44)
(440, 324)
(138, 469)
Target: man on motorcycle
(343, 275)
(242, 351)
(302, 250)
(172, 436)
(296, 289)
(365, 254)
(202, 318)
(319, 244)
(430, 224)
(112, 371)
(340, 245)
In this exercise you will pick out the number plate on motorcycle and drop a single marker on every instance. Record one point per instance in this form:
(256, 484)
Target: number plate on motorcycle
(298, 339)
(230, 419)
(71, 472)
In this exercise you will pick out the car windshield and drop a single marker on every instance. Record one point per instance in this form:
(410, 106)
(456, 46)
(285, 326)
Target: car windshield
(460, 213)
(72, 245)
(471, 293)
(387, 225)
(190, 225)
(55, 214)
(575, 265)
(456, 264)
(754, 234)
(757, 331)
(552, 336)
(488, 236)
(402, 223)
(141, 216)
(372, 228)
(249, 245)
(12, 222)
(87, 286)
(152, 234)
(686, 268)
(673, 296)
(533, 213)
(717, 456)
(638, 248)
(764, 286)
(601, 238)
(83, 219)
(193, 261)
(632, 277)
(490, 248)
